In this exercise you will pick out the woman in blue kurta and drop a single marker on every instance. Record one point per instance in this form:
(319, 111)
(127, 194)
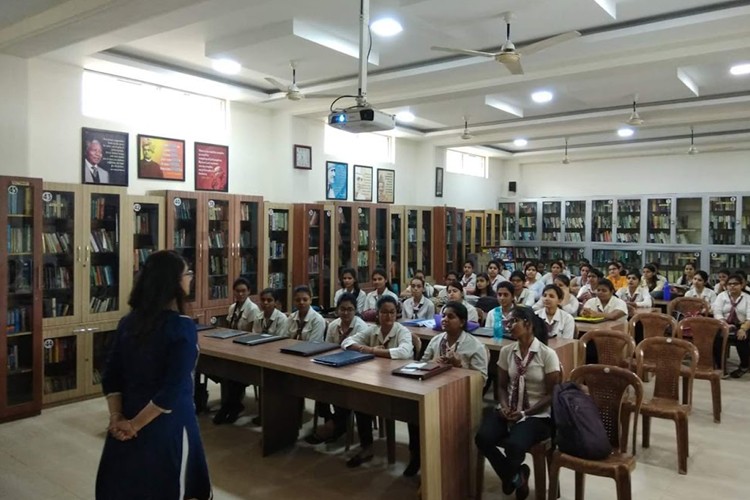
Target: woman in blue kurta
(153, 449)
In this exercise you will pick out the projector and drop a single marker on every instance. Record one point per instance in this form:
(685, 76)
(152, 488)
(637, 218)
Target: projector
(361, 119)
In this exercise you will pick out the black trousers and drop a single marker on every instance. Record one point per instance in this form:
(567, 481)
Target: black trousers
(364, 429)
(339, 416)
(516, 439)
(414, 449)
(232, 394)
(743, 351)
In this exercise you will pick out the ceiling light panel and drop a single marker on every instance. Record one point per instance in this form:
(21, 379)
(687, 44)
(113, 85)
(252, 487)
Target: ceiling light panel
(520, 142)
(542, 96)
(740, 69)
(386, 27)
(226, 66)
(625, 132)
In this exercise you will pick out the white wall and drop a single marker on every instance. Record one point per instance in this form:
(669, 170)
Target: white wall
(13, 116)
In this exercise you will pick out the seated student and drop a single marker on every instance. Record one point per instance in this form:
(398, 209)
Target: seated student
(501, 314)
(721, 284)
(487, 300)
(733, 307)
(469, 279)
(455, 347)
(685, 282)
(269, 319)
(521, 295)
(653, 281)
(534, 285)
(343, 327)
(442, 297)
(634, 294)
(528, 372)
(417, 306)
(305, 323)
(568, 303)
(745, 286)
(556, 269)
(389, 339)
(382, 288)
(241, 315)
(429, 290)
(558, 322)
(588, 291)
(700, 290)
(614, 275)
(580, 281)
(349, 284)
(456, 294)
(606, 305)
(493, 271)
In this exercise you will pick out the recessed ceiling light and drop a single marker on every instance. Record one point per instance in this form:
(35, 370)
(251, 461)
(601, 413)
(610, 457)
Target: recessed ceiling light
(625, 132)
(386, 26)
(542, 96)
(405, 116)
(520, 142)
(226, 66)
(740, 69)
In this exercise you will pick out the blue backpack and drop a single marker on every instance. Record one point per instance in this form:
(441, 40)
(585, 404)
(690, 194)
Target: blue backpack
(579, 431)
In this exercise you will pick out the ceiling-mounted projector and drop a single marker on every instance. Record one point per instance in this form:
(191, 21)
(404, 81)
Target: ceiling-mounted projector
(361, 119)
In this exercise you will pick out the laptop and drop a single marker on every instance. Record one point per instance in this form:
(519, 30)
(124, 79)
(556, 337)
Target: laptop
(343, 358)
(584, 319)
(225, 334)
(309, 348)
(202, 328)
(420, 370)
(257, 339)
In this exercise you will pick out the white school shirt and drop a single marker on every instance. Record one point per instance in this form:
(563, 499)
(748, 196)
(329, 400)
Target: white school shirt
(571, 306)
(641, 297)
(723, 304)
(707, 294)
(525, 299)
(429, 290)
(314, 329)
(276, 324)
(360, 298)
(548, 279)
(424, 310)
(563, 324)
(398, 341)
(336, 335)
(537, 288)
(473, 315)
(545, 361)
(470, 282)
(615, 304)
(470, 351)
(492, 316)
(498, 279)
(247, 313)
(371, 302)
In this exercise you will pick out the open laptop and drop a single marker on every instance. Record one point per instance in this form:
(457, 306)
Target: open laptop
(257, 339)
(309, 348)
(225, 334)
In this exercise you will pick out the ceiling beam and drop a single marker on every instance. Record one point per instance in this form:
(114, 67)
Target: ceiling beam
(688, 82)
(608, 6)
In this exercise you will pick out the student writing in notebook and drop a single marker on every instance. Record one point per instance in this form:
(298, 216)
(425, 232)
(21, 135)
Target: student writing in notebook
(305, 323)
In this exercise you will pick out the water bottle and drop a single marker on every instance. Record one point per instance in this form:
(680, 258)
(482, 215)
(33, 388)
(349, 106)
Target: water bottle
(667, 292)
(498, 328)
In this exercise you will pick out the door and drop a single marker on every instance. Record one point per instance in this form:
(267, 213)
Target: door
(184, 235)
(551, 221)
(574, 224)
(219, 235)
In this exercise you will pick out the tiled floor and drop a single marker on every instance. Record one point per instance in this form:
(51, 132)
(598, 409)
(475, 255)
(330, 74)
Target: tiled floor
(55, 456)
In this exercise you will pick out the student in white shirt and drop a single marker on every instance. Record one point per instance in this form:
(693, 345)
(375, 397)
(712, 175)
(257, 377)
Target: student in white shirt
(557, 322)
(569, 303)
(442, 297)
(269, 319)
(606, 305)
(588, 291)
(634, 294)
(521, 295)
(380, 280)
(469, 279)
(499, 315)
(389, 339)
(429, 290)
(456, 294)
(454, 347)
(349, 284)
(556, 269)
(305, 323)
(684, 282)
(417, 306)
(700, 290)
(532, 283)
(721, 284)
(653, 282)
(733, 307)
(579, 281)
(528, 372)
(493, 271)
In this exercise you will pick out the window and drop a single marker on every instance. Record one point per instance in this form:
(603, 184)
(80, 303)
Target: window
(465, 163)
(368, 148)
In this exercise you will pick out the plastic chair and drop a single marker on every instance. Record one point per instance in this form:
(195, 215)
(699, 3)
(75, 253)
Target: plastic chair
(608, 386)
(702, 332)
(687, 307)
(666, 356)
(613, 347)
(654, 325)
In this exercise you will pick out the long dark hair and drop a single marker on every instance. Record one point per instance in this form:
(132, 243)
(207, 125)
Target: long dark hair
(537, 323)
(488, 292)
(157, 287)
(355, 286)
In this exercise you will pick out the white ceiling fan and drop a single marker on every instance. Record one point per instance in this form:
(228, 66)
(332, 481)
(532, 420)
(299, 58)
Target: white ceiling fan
(509, 55)
(466, 135)
(635, 120)
(293, 92)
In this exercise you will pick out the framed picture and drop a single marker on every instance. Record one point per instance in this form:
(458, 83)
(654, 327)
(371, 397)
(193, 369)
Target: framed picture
(386, 185)
(362, 183)
(161, 158)
(337, 180)
(439, 182)
(104, 157)
(302, 157)
(211, 167)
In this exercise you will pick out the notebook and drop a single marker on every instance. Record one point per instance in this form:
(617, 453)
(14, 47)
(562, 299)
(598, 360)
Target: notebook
(309, 348)
(583, 319)
(225, 334)
(420, 370)
(343, 358)
(201, 328)
(257, 339)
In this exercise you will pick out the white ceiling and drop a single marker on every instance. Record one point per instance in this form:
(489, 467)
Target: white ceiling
(655, 49)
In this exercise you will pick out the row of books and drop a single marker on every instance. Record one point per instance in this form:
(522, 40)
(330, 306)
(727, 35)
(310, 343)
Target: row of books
(575, 222)
(102, 304)
(62, 349)
(628, 237)
(277, 249)
(248, 212)
(102, 276)
(18, 319)
(553, 236)
(246, 240)
(313, 263)
(59, 383)
(20, 201)
(184, 238)
(57, 277)
(551, 222)
(248, 265)
(102, 210)
(722, 221)
(602, 236)
(20, 239)
(219, 292)
(53, 308)
(602, 207)
(722, 205)
(527, 208)
(722, 238)
(527, 222)
(217, 212)
(56, 243)
(277, 280)
(185, 210)
(103, 241)
(549, 207)
(662, 238)
(216, 239)
(278, 221)
(143, 222)
(60, 207)
(659, 222)
(629, 221)
(659, 206)
(139, 257)
(218, 265)
(527, 235)
(632, 206)
(13, 361)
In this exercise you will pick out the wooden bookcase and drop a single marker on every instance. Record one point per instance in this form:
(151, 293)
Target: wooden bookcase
(418, 228)
(147, 227)
(448, 243)
(473, 226)
(279, 248)
(313, 242)
(398, 247)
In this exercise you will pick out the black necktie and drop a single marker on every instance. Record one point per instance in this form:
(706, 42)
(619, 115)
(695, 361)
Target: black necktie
(95, 174)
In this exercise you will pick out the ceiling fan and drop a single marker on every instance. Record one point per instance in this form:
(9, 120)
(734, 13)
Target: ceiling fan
(466, 135)
(293, 92)
(509, 55)
(635, 120)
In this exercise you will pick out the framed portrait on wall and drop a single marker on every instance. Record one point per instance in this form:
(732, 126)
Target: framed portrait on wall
(161, 158)
(362, 183)
(386, 185)
(104, 157)
(302, 157)
(337, 180)
(211, 167)
(439, 172)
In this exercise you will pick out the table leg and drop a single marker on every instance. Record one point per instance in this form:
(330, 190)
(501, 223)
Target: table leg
(279, 411)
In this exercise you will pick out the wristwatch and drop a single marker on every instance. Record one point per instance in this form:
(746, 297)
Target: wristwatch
(523, 414)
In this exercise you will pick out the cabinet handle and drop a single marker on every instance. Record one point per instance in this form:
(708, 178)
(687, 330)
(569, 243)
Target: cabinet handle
(78, 330)
(200, 251)
(88, 254)
(92, 329)
(79, 253)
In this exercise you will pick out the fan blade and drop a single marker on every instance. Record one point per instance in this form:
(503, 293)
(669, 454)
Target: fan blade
(549, 42)
(277, 84)
(322, 96)
(514, 67)
(464, 51)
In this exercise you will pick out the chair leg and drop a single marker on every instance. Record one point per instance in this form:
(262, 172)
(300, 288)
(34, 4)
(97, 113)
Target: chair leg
(716, 398)
(685, 385)
(580, 485)
(646, 431)
(349, 431)
(622, 483)
(554, 476)
(556, 486)
(480, 475)
(380, 426)
(540, 476)
(255, 392)
(390, 440)
(682, 444)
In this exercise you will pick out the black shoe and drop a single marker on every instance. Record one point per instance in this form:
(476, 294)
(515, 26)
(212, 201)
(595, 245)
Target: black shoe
(522, 484)
(315, 439)
(221, 416)
(738, 372)
(413, 467)
(257, 421)
(234, 414)
(359, 459)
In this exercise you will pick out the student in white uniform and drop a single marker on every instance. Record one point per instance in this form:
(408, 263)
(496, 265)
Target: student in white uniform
(569, 303)
(499, 315)
(556, 269)
(429, 290)
(534, 284)
(721, 281)
(305, 323)
(588, 291)
(653, 282)
(557, 322)
(733, 307)
(456, 294)
(269, 319)
(700, 290)
(382, 289)
(417, 306)
(349, 284)
(684, 282)
(493, 271)
(389, 339)
(442, 297)
(454, 347)
(606, 304)
(469, 279)
(579, 281)
(521, 295)
(634, 295)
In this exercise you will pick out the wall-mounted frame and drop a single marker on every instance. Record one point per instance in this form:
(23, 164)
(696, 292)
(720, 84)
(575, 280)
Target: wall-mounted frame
(302, 157)
(362, 183)
(337, 180)
(386, 185)
(104, 157)
(439, 172)
(161, 158)
(211, 167)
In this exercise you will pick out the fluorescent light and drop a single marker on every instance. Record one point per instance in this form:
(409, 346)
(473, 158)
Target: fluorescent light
(226, 66)
(625, 132)
(740, 69)
(520, 142)
(386, 26)
(405, 116)
(542, 96)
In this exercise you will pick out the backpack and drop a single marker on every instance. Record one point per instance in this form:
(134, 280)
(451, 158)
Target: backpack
(579, 427)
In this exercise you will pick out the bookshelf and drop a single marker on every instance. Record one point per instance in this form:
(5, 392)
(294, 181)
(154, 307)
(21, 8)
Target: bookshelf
(672, 264)
(147, 218)
(524, 253)
(601, 220)
(659, 221)
(527, 221)
(426, 254)
(575, 221)
(412, 243)
(745, 221)
(631, 259)
(689, 221)
(448, 223)
(363, 241)
(313, 239)
(381, 247)
(277, 235)
(508, 231)
(184, 224)
(63, 358)
(493, 228)
(247, 249)
(473, 224)
(20, 297)
(571, 256)
(722, 220)
(552, 221)
(725, 260)
(397, 246)
(220, 239)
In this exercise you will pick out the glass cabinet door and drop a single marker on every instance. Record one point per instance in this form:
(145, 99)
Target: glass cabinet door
(551, 220)
(60, 357)
(497, 229)
(327, 255)
(381, 239)
(314, 243)
(184, 237)
(101, 344)
(278, 253)
(145, 233)
(745, 238)
(571, 256)
(412, 246)
(104, 253)
(722, 216)
(344, 222)
(426, 264)
(631, 259)
(509, 220)
(59, 254)
(729, 261)
(524, 253)
(659, 227)
(460, 220)
(397, 241)
(363, 245)
(689, 217)
(450, 241)
(248, 245)
(527, 211)
(672, 264)
(628, 221)
(219, 282)
(575, 221)
(487, 232)
(601, 220)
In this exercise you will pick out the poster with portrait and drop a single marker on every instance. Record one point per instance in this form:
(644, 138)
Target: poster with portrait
(386, 185)
(211, 167)
(337, 180)
(104, 157)
(161, 158)
(362, 183)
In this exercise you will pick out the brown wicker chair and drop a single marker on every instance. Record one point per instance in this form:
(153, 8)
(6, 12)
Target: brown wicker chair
(613, 347)
(608, 386)
(702, 332)
(666, 355)
(682, 307)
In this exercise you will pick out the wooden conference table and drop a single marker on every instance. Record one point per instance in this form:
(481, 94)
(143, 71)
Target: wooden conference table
(446, 407)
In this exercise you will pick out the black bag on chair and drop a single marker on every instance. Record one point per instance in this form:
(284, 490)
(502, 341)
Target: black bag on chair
(580, 431)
